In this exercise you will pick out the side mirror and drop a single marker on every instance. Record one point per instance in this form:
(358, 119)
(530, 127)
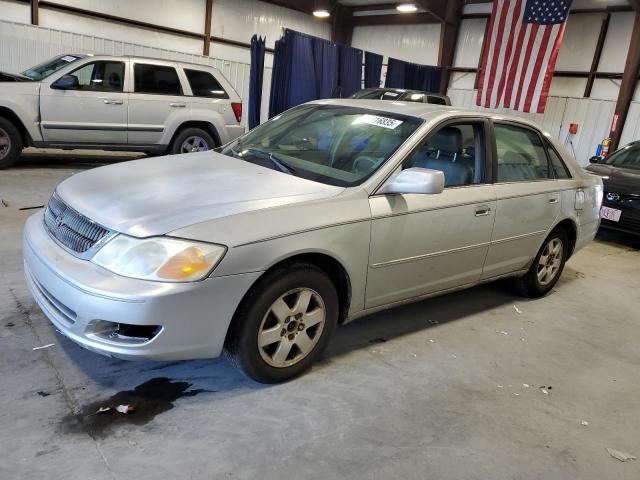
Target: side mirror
(595, 159)
(415, 180)
(66, 82)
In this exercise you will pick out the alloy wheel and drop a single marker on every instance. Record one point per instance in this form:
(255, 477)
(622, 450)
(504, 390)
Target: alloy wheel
(291, 328)
(194, 144)
(550, 261)
(5, 143)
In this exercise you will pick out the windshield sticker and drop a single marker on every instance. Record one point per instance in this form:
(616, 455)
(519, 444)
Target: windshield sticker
(69, 58)
(384, 122)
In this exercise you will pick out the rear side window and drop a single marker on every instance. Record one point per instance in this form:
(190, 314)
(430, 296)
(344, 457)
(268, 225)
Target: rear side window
(157, 79)
(203, 84)
(436, 100)
(521, 154)
(100, 77)
(558, 166)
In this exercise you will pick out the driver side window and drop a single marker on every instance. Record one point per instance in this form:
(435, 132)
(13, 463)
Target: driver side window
(456, 150)
(100, 77)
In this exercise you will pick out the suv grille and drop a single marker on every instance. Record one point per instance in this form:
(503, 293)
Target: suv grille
(71, 229)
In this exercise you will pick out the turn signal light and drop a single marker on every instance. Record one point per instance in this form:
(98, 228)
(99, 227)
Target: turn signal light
(237, 110)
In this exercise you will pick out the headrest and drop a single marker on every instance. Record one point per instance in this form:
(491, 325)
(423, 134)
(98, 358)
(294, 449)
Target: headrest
(449, 139)
(513, 158)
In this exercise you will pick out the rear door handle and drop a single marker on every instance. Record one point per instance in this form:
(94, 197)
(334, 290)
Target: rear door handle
(111, 101)
(178, 105)
(483, 211)
(553, 200)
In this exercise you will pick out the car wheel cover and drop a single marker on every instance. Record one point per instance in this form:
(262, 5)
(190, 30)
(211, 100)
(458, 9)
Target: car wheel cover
(5, 143)
(194, 143)
(292, 327)
(550, 262)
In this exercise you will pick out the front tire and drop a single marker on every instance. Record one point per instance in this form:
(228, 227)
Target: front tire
(192, 140)
(546, 267)
(10, 143)
(284, 323)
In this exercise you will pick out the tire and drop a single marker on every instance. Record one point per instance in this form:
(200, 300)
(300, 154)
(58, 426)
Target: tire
(10, 143)
(200, 140)
(543, 275)
(289, 345)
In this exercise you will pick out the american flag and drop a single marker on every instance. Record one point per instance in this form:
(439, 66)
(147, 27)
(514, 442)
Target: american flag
(520, 53)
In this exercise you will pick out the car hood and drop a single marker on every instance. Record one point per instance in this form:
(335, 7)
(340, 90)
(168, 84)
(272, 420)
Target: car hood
(154, 196)
(14, 77)
(621, 180)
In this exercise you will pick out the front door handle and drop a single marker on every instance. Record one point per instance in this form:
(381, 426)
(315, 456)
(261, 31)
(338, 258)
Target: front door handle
(553, 200)
(178, 105)
(483, 211)
(111, 101)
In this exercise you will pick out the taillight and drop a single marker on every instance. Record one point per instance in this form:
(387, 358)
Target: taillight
(237, 110)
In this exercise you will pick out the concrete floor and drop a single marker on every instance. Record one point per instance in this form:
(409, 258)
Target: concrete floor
(432, 390)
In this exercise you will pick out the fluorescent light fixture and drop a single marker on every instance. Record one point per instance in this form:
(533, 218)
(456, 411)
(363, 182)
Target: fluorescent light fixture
(407, 8)
(321, 13)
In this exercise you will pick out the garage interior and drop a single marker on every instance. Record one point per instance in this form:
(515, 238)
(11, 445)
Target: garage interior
(479, 383)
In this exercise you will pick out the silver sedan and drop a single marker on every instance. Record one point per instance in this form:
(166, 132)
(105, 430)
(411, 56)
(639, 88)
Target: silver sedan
(329, 211)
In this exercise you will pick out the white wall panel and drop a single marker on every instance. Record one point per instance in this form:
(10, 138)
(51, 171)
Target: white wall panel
(606, 88)
(592, 116)
(616, 45)
(412, 43)
(182, 14)
(567, 87)
(469, 45)
(631, 130)
(240, 19)
(579, 42)
(105, 29)
(462, 80)
(13, 11)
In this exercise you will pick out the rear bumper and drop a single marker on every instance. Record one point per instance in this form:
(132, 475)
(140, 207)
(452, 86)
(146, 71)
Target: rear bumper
(80, 298)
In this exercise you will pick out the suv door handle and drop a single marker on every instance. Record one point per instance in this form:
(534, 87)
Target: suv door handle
(178, 105)
(111, 101)
(553, 200)
(483, 211)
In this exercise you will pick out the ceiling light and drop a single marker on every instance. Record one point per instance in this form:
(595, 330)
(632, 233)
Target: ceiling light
(321, 13)
(407, 8)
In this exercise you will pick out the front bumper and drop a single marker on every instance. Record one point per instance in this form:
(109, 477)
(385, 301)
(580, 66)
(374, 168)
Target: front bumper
(79, 298)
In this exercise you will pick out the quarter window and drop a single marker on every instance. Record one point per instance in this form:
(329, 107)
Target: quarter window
(521, 155)
(558, 166)
(100, 77)
(203, 84)
(156, 79)
(456, 150)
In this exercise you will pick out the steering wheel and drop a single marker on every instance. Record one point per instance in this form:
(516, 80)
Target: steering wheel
(364, 164)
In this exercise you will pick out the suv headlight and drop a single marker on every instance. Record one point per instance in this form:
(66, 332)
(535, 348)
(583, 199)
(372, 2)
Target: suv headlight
(159, 258)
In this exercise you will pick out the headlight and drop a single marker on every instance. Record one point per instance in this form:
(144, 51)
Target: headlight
(159, 258)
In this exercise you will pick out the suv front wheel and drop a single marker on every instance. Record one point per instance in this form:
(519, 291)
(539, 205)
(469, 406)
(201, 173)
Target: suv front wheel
(191, 140)
(10, 143)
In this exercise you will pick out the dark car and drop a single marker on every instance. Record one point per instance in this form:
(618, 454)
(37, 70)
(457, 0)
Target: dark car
(621, 179)
(401, 94)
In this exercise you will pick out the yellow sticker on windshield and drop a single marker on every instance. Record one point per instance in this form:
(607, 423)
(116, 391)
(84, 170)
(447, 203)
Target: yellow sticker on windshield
(384, 122)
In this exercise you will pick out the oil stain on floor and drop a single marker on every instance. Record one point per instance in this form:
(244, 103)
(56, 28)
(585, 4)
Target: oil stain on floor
(147, 400)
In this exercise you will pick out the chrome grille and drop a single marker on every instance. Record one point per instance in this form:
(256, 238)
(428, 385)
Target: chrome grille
(70, 228)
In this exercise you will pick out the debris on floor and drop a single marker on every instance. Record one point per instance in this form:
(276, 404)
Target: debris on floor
(545, 390)
(622, 456)
(518, 311)
(377, 340)
(502, 332)
(44, 346)
(31, 208)
(584, 423)
(125, 409)
(4, 204)
(431, 340)
(43, 394)
(10, 324)
(526, 385)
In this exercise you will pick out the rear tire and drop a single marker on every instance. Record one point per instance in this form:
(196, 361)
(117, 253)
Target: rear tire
(547, 266)
(284, 323)
(192, 140)
(10, 143)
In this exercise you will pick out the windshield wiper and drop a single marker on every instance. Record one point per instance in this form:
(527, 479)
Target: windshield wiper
(281, 164)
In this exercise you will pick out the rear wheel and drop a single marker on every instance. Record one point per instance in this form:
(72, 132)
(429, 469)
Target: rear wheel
(546, 267)
(10, 143)
(284, 323)
(192, 140)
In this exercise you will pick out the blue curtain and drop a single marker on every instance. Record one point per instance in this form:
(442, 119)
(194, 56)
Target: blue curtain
(372, 69)
(325, 56)
(255, 80)
(402, 74)
(278, 95)
(395, 73)
(350, 74)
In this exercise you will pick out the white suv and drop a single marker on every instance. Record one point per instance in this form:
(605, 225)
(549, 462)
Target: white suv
(117, 103)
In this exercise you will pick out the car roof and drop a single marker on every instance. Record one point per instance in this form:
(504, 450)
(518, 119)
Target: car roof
(136, 57)
(402, 90)
(426, 111)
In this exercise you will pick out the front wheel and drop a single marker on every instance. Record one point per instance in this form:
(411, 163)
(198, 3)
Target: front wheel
(546, 267)
(10, 143)
(192, 140)
(284, 323)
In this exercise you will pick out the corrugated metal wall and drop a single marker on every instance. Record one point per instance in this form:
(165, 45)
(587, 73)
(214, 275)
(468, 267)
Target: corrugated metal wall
(592, 116)
(631, 130)
(22, 46)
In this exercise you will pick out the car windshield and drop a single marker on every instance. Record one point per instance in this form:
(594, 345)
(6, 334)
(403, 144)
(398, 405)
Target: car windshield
(49, 67)
(378, 94)
(331, 144)
(627, 157)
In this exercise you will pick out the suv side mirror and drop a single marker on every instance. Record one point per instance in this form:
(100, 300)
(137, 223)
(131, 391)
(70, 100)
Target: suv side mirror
(66, 82)
(595, 159)
(415, 180)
